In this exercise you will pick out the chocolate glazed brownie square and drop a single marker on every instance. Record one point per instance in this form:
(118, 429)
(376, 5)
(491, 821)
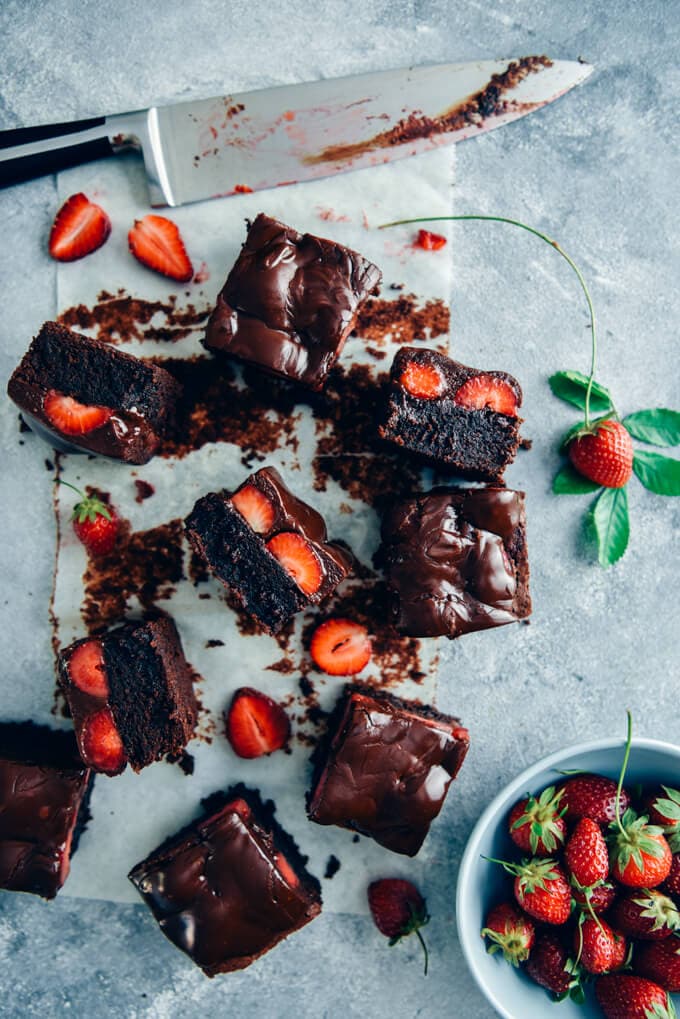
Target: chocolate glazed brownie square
(290, 302)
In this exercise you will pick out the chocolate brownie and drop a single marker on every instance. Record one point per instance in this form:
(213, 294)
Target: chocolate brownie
(229, 886)
(459, 418)
(456, 561)
(290, 302)
(385, 768)
(269, 547)
(131, 695)
(82, 395)
(44, 789)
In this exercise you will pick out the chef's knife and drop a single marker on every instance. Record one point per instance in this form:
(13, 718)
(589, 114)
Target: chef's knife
(263, 139)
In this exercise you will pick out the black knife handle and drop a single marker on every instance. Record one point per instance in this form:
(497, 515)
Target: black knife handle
(31, 157)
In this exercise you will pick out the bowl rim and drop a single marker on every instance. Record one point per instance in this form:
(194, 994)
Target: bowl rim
(471, 850)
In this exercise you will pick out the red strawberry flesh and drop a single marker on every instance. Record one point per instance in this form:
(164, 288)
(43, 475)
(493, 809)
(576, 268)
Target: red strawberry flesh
(256, 725)
(424, 381)
(298, 558)
(157, 243)
(80, 227)
(87, 670)
(429, 241)
(101, 745)
(487, 391)
(255, 508)
(73, 418)
(341, 647)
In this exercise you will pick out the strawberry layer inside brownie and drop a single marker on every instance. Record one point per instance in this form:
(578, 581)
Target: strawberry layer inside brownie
(269, 547)
(82, 395)
(459, 418)
(230, 886)
(130, 694)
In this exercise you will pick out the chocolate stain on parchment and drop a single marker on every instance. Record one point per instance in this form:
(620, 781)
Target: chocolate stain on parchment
(118, 318)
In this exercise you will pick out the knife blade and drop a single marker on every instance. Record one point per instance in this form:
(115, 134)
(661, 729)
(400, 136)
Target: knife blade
(250, 141)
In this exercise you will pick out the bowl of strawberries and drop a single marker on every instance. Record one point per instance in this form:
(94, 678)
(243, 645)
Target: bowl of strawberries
(569, 886)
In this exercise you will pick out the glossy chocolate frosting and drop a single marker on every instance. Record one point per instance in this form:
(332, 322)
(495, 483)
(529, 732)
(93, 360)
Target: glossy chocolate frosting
(290, 301)
(388, 770)
(455, 561)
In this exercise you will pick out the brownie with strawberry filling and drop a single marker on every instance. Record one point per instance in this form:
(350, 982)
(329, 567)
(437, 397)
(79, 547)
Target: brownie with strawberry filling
(82, 395)
(131, 696)
(44, 789)
(385, 767)
(459, 418)
(230, 886)
(269, 547)
(290, 302)
(456, 561)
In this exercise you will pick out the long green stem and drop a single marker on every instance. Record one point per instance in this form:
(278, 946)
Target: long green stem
(553, 244)
(617, 808)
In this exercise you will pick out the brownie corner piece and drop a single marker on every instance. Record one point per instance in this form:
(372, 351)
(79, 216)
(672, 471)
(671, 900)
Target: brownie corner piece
(385, 768)
(290, 302)
(230, 886)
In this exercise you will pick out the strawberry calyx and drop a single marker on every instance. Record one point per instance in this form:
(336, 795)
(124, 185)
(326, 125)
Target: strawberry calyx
(658, 908)
(542, 814)
(419, 917)
(633, 837)
(533, 873)
(516, 938)
(89, 508)
(667, 810)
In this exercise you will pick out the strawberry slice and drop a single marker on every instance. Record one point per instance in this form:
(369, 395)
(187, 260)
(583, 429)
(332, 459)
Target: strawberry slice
(257, 509)
(256, 725)
(429, 241)
(157, 243)
(73, 418)
(80, 227)
(286, 871)
(86, 669)
(341, 647)
(423, 381)
(298, 558)
(482, 391)
(101, 745)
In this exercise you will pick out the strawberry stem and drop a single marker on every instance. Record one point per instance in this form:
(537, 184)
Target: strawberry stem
(617, 807)
(60, 481)
(421, 939)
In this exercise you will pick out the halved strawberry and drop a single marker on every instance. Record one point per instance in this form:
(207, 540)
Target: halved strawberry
(157, 243)
(86, 669)
(298, 558)
(482, 391)
(424, 381)
(253, 504)
(80, 227)
(73, 418)
(286, 871)
(429, 241)
(256, 725)
(341, 647)
(101, 745)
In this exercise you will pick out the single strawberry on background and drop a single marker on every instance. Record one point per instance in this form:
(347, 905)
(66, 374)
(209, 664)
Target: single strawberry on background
(95, 522)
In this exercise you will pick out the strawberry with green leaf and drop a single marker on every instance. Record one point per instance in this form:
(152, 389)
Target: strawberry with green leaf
(537, 825)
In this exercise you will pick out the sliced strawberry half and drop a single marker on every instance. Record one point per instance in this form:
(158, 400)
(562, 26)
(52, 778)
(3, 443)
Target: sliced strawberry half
(255, 507)
(424, 381)
(430, 241)
(341, 647)
(80, 228)
(73, 418)
(157, 243)
(256, 725)
(299, 559)
(87, 670)
(101, 744)
(482, 391)
(286, 871)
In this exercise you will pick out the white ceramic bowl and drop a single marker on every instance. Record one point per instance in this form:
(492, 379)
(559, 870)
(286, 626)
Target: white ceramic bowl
(482, 884)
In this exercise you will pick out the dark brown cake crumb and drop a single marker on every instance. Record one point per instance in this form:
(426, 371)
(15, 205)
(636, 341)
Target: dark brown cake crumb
(402, 320)
(332, 867)
(144, 490)
(214, 643)
(117, 318)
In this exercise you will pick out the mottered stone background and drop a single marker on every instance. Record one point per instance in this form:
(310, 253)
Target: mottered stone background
(599, 171)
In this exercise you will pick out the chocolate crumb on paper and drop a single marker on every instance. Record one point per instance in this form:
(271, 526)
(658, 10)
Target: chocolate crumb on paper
(402, 320)
(118, 318)
(332, 867)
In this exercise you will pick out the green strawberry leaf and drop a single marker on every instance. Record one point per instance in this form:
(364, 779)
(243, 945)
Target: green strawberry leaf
(660, 474)
(568, 481)
(612, 524)
(572, 386)
(658, 427)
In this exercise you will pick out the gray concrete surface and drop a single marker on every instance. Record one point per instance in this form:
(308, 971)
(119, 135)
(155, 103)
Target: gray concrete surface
(599, 170)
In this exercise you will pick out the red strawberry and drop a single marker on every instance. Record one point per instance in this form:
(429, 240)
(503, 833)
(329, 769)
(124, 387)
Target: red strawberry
(424, 381)
(255, 507)
(586, 856)
(598, 948)
(541, 889)
(73, 418)
(80, 227)
(646, 914)
(537, 825)
(482, 391)
(626, 997)
(95, 523)
(510, 932)
(640, 855)
(605, 454)
(398, 909)
(592, 796)
(256, 725)
(429, 241)
(341, 647)
(86, 669)
(671, 885)
(551, 966)
(595, 900)
(157, 243)
(663, 808)
(101, 745)
(659, 961)
(298, 558)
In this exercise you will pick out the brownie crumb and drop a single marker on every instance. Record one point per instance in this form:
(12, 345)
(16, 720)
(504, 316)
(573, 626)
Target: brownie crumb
(355, 838)
(526, 443)
(185, 760)
(402, 319)
(144, 490)
(117, 318)
(332, 867)
(284, 665)
(214, 643)
(49, 466)
(23, 427)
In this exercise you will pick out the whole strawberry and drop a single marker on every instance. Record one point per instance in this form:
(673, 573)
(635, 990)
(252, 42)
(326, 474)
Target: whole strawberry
(586, 856)
(595, 900)
(640, 856)
(598, 947)
(627, 997)
(95, 523)
(646, 914)
(510, 932)
(536, 825)
(541, 888)
(592, 796)
(603, 453)
(398, 909)
(659, 961)
(551, 966)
